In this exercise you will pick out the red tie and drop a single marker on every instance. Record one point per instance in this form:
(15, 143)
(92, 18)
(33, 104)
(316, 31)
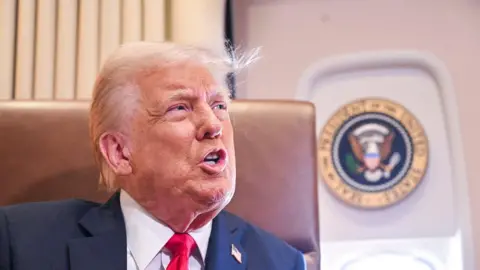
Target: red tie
(181, 246)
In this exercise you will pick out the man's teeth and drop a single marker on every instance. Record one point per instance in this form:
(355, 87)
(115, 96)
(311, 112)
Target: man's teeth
(212, 156)
(212, 159)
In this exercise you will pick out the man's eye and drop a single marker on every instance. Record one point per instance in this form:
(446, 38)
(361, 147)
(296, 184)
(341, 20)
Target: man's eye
(220, 106)
(178, 108)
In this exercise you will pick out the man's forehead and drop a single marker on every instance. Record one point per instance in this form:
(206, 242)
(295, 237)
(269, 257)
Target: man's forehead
(187, 79)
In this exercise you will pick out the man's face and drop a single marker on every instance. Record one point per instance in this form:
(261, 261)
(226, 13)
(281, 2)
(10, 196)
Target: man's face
(182, 150)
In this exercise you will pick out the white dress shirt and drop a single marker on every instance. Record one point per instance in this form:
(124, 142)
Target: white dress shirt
(146, 238)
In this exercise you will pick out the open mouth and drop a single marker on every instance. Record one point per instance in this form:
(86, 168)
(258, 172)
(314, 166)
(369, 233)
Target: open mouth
(215, 157)
(215, 161)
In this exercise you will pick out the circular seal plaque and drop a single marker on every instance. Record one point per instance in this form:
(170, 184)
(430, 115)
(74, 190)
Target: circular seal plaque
(372, 153)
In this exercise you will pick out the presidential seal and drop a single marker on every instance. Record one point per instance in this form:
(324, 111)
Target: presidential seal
(372, 153)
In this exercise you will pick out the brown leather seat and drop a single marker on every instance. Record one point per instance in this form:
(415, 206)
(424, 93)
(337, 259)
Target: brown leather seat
(47, 156)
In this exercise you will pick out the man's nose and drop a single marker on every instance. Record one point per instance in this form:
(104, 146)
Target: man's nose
(210, 127)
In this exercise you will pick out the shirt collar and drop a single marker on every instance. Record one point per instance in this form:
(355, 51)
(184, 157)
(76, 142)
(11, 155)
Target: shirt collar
(146, 236)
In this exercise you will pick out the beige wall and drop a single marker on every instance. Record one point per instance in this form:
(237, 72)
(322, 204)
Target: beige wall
(296, 34)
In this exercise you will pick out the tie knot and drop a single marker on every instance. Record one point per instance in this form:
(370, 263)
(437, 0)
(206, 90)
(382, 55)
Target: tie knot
(181, 244)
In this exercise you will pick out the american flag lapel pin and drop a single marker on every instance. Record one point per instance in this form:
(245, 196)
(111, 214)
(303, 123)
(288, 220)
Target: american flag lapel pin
(236, 254)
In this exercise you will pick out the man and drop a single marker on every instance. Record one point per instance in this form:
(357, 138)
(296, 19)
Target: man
(163, 140)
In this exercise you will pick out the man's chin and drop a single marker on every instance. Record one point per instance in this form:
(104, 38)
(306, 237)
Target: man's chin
(211, 199)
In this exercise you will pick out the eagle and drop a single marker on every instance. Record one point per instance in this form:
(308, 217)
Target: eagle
(383, 149)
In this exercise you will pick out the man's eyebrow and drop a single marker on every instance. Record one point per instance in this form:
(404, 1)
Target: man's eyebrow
(184, 93)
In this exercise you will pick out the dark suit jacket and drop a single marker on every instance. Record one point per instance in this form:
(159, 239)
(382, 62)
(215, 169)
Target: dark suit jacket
(81, 235)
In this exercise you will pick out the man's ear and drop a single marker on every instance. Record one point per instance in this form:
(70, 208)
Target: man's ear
(115, 151)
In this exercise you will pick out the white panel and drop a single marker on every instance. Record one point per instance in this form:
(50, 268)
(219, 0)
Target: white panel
(199, 23)
(7, 47)
(109, 27)
(66, 53)
(131, 20)
(25, 49)
(419, 215)
(87, 48)
(154, 20)
(45, 50)
(439, 208)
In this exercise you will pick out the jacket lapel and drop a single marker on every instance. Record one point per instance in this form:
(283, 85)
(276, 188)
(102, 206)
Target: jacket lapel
(224, 249)
(105, 247)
